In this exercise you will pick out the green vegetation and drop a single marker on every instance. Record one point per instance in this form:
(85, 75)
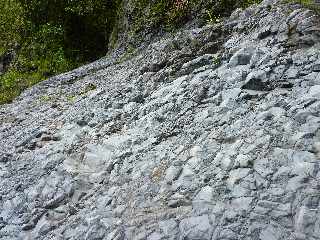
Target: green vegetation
(216, 60)
(223, 8)
(213, 19)
(170, 14)
(308, 4)
(41, 38)
(71, 98)
(49, 37)
(130, 51)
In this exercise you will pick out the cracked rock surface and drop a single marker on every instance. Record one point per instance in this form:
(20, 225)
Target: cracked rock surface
(209, 134)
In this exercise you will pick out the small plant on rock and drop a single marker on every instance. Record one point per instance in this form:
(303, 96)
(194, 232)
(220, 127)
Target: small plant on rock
(216, 60)
(212, 18)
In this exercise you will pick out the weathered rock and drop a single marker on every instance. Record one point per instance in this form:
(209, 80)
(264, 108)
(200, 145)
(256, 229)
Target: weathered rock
(242, 57)
(196, 228)
(228, 150)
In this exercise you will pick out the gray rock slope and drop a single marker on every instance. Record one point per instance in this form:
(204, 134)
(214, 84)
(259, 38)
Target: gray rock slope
(210, 133)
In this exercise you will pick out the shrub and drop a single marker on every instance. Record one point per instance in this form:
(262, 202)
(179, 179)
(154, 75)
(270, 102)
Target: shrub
(12, 83)
(50, 37)
(11, 24)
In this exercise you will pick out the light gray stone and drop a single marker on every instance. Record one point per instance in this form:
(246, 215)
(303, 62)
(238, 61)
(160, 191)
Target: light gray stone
(196, 228)
(172, 173)
(242, 57)
(169, 227)
(269, 234)
(174, 143)
(243, 161)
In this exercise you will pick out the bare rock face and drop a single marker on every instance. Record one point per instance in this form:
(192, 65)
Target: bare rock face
(180, 140)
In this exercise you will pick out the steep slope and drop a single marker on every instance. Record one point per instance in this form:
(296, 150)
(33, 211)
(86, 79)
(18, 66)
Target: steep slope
(211, 133)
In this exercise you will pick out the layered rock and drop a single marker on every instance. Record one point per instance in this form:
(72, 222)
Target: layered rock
(212, 133)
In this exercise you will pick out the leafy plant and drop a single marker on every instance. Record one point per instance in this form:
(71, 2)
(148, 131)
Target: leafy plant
(12, 24)
(213, 19)
(12, 83)
(50, 37)
(216, 60)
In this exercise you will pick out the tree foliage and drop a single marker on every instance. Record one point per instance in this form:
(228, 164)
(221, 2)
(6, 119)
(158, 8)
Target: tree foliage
(87, 24)
(52, 36)
(11, 23)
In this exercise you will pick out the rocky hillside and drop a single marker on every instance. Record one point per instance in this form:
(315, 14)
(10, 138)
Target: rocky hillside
(207, 134)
